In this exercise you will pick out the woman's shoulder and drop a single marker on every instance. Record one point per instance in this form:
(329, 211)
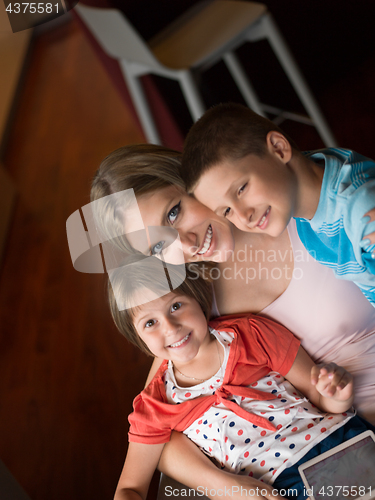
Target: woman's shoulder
(248, 324)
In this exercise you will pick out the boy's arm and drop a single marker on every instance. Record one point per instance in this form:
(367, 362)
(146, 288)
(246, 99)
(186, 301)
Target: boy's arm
(140, 464)
(328, 386)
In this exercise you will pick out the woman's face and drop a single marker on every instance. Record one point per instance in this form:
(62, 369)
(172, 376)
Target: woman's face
(204, 235)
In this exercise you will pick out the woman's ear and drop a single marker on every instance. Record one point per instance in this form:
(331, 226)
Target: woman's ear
(278, 144)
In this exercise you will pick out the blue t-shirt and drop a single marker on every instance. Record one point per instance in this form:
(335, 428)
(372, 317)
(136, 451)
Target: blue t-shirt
(336, 235)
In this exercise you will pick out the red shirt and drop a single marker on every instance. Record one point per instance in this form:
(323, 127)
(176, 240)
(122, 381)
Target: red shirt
(260, 345)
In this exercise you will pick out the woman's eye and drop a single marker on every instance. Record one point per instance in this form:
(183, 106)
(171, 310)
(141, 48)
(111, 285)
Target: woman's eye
(173, 213)
(242, 188)
(176, 306)
(156, 249)
(227, 212)
(150, 323)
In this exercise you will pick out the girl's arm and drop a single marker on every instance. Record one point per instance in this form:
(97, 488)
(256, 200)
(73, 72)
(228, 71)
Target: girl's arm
(183, 460)
(140, 464)
(328, 386)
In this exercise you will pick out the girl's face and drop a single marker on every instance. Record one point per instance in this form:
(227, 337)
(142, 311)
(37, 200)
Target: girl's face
(173, 327)
(204, 235)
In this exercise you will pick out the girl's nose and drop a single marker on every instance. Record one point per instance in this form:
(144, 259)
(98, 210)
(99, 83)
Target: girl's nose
(171, 327)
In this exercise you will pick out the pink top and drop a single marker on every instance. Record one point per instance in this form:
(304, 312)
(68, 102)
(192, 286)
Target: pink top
(333, 320)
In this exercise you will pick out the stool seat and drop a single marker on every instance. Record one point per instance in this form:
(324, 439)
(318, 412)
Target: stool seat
(204, 34)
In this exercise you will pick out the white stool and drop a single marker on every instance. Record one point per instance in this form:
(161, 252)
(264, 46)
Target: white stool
(209, 31)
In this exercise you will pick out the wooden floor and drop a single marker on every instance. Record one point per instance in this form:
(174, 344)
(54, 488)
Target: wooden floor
(67, 378)
(64, 370)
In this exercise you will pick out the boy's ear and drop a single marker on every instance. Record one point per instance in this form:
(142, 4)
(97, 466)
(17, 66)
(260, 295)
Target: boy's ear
(279, 145)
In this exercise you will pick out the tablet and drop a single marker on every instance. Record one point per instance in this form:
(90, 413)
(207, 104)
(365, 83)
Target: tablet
(344, 472)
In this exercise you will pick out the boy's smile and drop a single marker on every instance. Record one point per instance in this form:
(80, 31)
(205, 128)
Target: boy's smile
(255, 193)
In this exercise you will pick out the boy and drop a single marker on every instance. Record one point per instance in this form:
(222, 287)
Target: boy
(244, 168)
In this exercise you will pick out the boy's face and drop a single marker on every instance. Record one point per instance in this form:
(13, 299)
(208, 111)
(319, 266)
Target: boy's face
(173, 327)
(257, 194)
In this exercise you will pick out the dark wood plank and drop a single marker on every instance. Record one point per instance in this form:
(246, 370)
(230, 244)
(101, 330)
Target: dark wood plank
(67, 376)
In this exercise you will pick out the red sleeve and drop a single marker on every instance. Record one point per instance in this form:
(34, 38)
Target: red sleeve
(144, 427)
(149, 423)
(262, 345)
(277, 342)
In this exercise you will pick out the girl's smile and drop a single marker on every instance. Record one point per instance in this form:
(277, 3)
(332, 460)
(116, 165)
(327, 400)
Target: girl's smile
(173, 327)
(180, 343)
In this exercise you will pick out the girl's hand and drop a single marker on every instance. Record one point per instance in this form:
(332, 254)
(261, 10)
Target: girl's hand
(239, 487)
(332, 381)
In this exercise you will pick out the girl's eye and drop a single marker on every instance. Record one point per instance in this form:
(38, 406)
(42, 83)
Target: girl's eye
(227, 212)
(173, 213)
(176, 306)
(156, 249)
(150, 323)
(242, 188)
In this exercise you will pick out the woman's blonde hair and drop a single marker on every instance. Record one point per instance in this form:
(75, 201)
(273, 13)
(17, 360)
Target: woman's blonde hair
(142, 167)
(151, 275)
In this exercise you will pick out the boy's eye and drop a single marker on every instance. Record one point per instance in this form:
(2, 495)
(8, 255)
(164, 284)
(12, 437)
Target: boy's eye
(156, 249)
(176, 306)
(242, 188)
(150, 323)
(173, 213)
(227, 212)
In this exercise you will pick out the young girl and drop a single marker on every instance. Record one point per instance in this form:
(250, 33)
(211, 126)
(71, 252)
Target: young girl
(224, 387)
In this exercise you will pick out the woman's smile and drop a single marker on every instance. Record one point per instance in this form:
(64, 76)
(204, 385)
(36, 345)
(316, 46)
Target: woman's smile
(202, 233)
(207, 242)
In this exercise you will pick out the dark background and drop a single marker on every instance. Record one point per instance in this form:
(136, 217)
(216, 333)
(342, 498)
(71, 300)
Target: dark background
(67, 378)
(333, 43)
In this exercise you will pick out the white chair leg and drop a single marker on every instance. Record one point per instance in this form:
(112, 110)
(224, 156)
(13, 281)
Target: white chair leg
(282, 52)
(141, 105)
(192, 95)
(239, 76)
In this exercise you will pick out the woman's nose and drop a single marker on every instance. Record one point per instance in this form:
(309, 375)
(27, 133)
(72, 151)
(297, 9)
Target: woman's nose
(189, 243)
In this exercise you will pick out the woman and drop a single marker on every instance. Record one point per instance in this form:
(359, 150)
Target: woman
(253, 273)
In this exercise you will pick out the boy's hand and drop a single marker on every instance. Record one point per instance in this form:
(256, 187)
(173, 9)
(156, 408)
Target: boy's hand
(332, 381)
(371, 236)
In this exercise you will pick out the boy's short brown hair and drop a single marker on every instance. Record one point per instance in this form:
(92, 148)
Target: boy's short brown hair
(151, 273)
(225, 132)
